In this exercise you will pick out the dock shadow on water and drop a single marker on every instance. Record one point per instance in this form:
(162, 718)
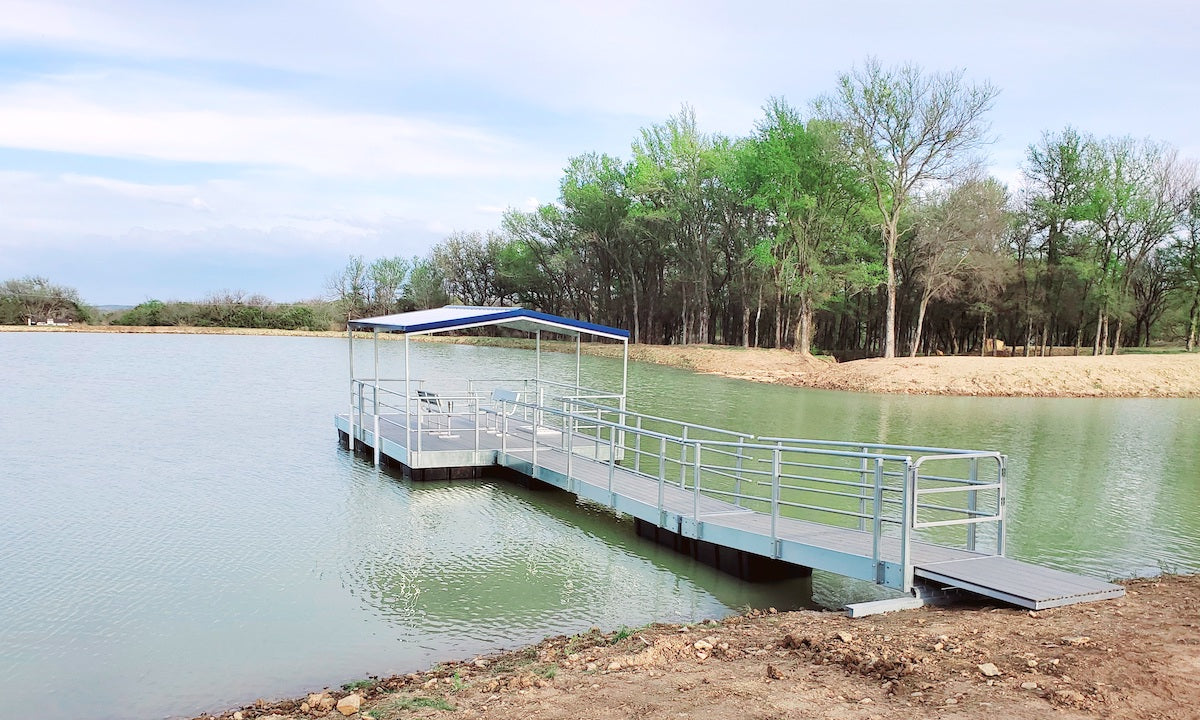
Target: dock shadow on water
(491, 562)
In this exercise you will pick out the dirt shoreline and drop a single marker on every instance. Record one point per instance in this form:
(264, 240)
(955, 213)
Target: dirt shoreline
(1126, 376)
(1135, 658)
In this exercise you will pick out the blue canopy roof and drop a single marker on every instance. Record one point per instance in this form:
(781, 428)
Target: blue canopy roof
(455, 317)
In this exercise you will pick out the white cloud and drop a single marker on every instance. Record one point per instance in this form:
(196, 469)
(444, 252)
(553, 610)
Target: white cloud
(180, 122)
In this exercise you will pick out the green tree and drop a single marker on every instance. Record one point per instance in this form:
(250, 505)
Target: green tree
(904, 128)
(811, 199)
(36, 299)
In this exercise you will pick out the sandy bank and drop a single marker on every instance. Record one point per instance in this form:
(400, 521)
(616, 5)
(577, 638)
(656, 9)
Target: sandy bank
(1132, 659)
(1131, 375)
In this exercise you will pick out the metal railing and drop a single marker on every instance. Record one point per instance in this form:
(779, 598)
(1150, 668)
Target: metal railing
(897, 493)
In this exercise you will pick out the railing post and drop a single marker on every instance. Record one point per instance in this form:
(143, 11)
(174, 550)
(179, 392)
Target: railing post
(906, 528)
(420, 412)
(360, 405)
(534, 434)
(378, 442)
(862, 490)
(877, 529)
(683, 458)
(612, 463)
(776, 462)
(696, 486)
(350, 415)
(504, 431)
(474, 402)
(737, 483)
(637, 447)
(570, 448)
(1001, 473)
(662, 474)
(972, 501)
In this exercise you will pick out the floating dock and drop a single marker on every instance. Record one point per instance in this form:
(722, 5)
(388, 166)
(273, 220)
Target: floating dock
(919, 520)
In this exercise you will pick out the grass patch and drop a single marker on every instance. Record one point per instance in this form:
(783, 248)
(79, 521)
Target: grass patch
(547, 671)
(366, 684)
(515, 661)
(411, 703)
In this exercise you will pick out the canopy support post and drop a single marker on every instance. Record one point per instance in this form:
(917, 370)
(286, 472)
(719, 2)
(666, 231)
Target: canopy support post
(407, 406)
(350, 415)
(375, 395)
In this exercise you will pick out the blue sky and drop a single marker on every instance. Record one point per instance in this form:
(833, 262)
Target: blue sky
(172, 149)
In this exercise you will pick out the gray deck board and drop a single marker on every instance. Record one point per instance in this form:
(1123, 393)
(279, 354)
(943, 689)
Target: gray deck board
(1003, 578)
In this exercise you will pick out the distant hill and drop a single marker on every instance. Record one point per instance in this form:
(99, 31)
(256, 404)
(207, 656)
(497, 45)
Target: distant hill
(112, 308)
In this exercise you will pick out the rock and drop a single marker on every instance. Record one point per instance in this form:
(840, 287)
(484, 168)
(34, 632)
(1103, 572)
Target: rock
(773, 673)
(702, 645)
(845, 636)
(305, 707)
(349, 704)
(238, 715)
(1029, 686)
(614, 665)
(590, 667)
(327, 703)
(989, 670)
(1031, 663)
(1080, 640)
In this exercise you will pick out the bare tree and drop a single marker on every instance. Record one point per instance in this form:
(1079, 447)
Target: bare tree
(903, 128)
(960, 244)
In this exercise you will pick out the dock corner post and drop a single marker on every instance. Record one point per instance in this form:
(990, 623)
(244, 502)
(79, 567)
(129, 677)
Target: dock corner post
(696, 484)
(906, 528)
(877, 521)
(1001, 473)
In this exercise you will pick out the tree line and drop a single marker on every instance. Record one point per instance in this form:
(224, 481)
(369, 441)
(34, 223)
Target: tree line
(866, 227)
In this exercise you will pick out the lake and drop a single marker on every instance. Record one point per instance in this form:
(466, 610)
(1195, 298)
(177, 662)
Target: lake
(183, 534)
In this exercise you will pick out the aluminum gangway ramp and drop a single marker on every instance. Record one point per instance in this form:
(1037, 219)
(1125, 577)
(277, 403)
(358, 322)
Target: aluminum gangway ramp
(913, 519)
(1018, 583)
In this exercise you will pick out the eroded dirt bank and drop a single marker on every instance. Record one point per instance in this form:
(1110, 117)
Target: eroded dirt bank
(1136, 658)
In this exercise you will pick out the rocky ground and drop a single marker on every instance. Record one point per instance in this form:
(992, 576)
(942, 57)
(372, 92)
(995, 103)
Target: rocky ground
(1137, 658)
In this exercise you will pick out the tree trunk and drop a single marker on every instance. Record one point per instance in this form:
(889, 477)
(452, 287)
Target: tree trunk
(804, 328)
(983, 340)
(758, 316)
(1116, 344)
(1096, 347)
(1194, 323)
(889, 341)
(920, 324)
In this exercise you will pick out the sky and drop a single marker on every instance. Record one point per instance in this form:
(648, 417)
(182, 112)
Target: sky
(170, 150)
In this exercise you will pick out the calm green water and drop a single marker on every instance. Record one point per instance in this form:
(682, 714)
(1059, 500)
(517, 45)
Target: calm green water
(181, 532)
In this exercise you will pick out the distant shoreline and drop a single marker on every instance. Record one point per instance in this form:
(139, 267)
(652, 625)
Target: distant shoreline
(1175, 375)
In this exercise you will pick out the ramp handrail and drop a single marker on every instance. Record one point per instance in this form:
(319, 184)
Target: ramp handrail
(885, 490)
